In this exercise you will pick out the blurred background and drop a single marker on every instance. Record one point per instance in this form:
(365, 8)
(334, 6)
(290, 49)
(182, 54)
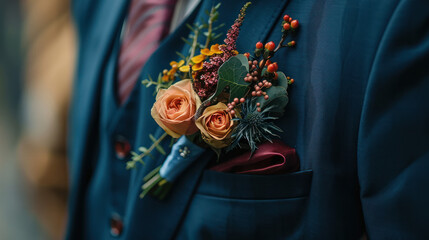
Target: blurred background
(36, 66)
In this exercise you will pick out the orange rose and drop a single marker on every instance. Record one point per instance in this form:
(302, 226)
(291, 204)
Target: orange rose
(175, 108)
(216, 125)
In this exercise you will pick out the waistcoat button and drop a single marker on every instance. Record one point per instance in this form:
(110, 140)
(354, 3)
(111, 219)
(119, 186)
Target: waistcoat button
(122, 147)
(116, 226)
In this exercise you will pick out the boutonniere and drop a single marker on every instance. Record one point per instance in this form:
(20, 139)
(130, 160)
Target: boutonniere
(219, 99)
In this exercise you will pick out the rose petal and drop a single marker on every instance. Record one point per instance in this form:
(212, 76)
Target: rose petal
(175, 108)
(216, 125)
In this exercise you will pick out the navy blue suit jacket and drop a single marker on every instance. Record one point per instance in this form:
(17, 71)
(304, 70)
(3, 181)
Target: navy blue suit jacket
(358, 117)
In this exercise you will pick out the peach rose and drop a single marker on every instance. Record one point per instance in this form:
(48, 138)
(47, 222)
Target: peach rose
(175, 107)
(216, 125)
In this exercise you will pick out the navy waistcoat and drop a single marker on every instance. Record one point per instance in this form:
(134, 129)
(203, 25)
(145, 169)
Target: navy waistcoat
(109, 177)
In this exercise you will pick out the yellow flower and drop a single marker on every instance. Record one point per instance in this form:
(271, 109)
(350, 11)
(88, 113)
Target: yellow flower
(206, 52)
(165, 78)
(184, 69)
(215, 49)
(172, 72)
(169, 75)
(176, 65)
(197, 67)
(235, 52)
(198, 59)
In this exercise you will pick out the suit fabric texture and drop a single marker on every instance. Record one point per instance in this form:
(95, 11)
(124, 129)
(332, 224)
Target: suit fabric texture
(357, 116)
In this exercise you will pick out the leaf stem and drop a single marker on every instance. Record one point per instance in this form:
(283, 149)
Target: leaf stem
(149, 150)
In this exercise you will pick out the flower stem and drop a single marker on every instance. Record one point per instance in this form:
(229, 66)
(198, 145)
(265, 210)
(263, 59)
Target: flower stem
(280, 45)
(210, 28)
(209, 35)
(194, 45)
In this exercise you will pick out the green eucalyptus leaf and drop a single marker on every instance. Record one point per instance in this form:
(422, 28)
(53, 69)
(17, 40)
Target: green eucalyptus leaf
(231, 74)
(277, 100)
(282, 80)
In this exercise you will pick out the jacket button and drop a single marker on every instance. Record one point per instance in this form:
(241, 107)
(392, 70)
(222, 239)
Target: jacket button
(116, 226)
(122, 147)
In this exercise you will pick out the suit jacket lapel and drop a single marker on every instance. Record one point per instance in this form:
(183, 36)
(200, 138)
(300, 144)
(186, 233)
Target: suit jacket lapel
(160, 219)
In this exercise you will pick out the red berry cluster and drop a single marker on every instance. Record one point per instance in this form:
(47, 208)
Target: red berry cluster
(253, 76)
(272, 68)
(266, 51)
(270, 46)
(259, 91)
(234, 103)
(289, 23)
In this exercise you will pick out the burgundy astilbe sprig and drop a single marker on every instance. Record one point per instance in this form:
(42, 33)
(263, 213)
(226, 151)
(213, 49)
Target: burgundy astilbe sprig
(232, 34)
(206, 79)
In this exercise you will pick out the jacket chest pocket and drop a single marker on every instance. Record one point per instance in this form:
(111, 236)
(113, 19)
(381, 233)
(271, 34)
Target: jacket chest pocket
(237, 206)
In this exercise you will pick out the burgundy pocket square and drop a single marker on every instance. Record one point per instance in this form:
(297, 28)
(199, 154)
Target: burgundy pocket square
(269, 158)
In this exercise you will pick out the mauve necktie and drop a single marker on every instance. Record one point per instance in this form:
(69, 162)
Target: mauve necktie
(148, 22)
